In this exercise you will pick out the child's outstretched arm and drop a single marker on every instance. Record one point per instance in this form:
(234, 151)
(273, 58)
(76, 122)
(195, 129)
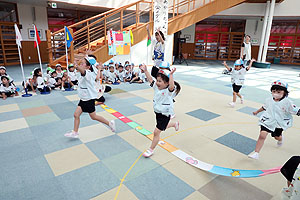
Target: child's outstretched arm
(225, 64)
(149, 77)
(171, 80)
(258, 111)
(148, 32)
(250, 65)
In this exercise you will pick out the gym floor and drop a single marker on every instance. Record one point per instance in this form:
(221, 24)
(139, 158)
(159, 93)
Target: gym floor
(38, 162)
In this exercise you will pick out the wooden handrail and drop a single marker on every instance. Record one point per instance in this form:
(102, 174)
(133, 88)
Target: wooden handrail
(100, 15)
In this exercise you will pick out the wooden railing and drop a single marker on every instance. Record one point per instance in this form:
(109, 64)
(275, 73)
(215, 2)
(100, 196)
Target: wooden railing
(91, 33)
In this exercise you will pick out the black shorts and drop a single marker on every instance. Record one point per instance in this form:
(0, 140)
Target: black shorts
(276, 133)
(87, 106)
(236, 88)
(8, 94)
(162, 121)
(75, 82)
(289, 168)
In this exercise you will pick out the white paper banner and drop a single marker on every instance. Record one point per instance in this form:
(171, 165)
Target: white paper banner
(161, 16)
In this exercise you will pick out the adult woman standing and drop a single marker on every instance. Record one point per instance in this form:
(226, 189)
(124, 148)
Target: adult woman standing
(246, 50)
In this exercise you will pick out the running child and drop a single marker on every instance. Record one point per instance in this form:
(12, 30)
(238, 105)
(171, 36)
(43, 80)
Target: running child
(87, 94)
(164, 87)
(277, 116)
(237, 78)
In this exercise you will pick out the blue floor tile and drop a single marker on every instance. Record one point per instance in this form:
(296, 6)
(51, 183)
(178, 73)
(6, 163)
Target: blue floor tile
(87, 182)
(203, 114)
(46, 190)
(64, 110)
(121, 126)
(237, 142)
(159, 184)
(248, 110)
(108, 146)
(14, 176)
(20, 152)
(10, 115)
(15, 137)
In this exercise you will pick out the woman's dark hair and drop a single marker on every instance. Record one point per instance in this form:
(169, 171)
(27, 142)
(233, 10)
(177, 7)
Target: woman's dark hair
(280, 88)
(248, 36)
(36, 72)
(166, 80)
(162, 35)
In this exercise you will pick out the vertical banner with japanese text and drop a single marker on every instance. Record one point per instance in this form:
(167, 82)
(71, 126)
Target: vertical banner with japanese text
(161, 16)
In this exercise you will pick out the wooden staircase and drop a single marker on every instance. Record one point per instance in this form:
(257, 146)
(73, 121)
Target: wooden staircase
(90, 35)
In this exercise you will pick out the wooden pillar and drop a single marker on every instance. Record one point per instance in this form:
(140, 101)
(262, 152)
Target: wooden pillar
(173, 8)
(137, 16)
(2, 44)
(121, 21)
(49, 46)
(151, 13)
(105, 39)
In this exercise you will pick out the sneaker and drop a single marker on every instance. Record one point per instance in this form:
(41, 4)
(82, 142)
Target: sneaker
(242, 100)
(279, 143)
(75, 87)
(112, 126)
(254, 155)
(62, 89)
(148, 153)
(72, 134)
(177, 126)
(231, 104)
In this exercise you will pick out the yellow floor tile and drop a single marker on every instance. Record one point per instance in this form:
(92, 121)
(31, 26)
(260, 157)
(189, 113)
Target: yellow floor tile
(10, 125)
(73, 97)
(94, 132)
(124, 193)
(69, 159)
(9, 108)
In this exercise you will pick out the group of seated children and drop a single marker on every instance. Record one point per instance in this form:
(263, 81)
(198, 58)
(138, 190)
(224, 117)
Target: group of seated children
(114, 73)
(54, 79)
(7, 86)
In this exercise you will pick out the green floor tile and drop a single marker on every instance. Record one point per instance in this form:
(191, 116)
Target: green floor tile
(31, 104)
(42, 119)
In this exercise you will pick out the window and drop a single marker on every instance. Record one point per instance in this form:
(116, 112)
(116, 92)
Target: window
(8, 12)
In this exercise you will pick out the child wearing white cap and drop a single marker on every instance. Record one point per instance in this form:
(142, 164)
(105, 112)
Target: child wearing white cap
(276, 116)
(237, 78)
(87, 93)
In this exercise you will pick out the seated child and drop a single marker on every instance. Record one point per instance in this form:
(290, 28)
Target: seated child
(111, 76)
(128, 73)
(6, 88)
(3, 73)
(52, 83)
(138, 75)
(73, 74)
(66, 81)
(30, 84)
(59, 71)
(41, 85)
(120, 73)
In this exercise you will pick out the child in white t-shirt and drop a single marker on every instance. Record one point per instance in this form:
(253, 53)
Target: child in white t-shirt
(128, 73)
(277, 116)
(7, 89)
(111, 75)
(87, 93)
(120, 73)
(59, 71)
(73, 74)
(139, 75)
(164, 87)
(237, 78)
(42, 85)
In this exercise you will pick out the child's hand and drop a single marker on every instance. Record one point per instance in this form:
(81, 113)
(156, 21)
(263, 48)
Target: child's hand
(224, 63)
(255, 113)
(173, 70)
(147, 27)
(253, 59)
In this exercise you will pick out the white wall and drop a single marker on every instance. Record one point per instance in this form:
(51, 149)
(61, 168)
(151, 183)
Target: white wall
(26, 20)
(254, 29)
(189, 31)
(139, 52)
(286, 8)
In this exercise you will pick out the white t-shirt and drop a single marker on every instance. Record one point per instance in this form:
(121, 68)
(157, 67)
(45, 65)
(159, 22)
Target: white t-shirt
(158, 52)
(111, 76)
(121, 75)
(10, 79)
(247, 50)
(128, 74)
(278, 114)
(51, 82)
(73, 75)
(86, 87)
(162, 100)
(60, 74)
(238, 76)
(40, 82)
(5, 89)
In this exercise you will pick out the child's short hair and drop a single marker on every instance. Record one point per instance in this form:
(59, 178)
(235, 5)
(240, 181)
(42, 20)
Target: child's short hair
(111, 66)
(280, 88)
(162, 35)
(120, 66)
(36, 71)
(2, 67)
(4, 77)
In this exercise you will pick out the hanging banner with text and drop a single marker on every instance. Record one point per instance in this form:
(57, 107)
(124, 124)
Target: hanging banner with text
(161, 16)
